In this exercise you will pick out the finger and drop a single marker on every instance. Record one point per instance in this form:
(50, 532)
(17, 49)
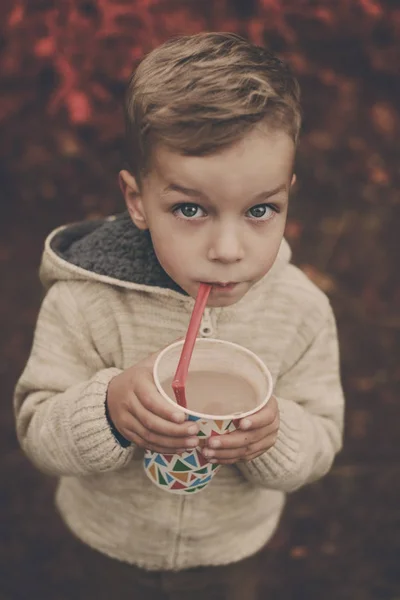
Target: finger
(151, 438)
(154, 414)
(242, 453)
(160, 426)
(261, 432)
(258, 449)
(265, 416)
(146, 390)
(236, 439)
(238, 458)
(152, 400)
(227, 454)
(164, 451)
(154, 447)
(253, 456)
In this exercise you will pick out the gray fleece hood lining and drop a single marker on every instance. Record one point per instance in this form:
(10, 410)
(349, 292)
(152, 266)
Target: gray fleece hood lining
(115, 248)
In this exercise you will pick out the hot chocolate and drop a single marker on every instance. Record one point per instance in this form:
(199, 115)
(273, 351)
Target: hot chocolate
(216, 393)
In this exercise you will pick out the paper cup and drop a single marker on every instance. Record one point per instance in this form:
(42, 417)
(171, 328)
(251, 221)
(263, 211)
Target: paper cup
(190, 472)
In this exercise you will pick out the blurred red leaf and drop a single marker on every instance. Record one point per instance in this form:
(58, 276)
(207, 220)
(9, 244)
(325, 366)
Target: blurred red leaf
(384, 118)
(79, 107)
(44, 47)
(16, 15)
(372, 8)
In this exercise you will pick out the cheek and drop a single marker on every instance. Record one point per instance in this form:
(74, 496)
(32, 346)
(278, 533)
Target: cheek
(171, 255)
(267, 252)
(267, 264)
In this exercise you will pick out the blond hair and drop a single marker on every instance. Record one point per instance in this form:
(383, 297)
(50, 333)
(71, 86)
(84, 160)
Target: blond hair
(201, 93)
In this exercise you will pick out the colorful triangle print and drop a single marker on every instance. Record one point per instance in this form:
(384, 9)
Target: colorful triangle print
(182, 477)
(206, 479)
(180, 466)
(193, 418)
(219, 424)
(168, 457)
(161, 479)
(196, 482)
(202, 460)
(202, 471)
(153, 471)
(159, 459)
(177, 486)
(191, 460)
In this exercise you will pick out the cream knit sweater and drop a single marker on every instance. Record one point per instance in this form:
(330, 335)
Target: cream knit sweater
(99, 318)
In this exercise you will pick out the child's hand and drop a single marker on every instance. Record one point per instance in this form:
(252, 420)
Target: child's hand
(255, 435)
(142, 416)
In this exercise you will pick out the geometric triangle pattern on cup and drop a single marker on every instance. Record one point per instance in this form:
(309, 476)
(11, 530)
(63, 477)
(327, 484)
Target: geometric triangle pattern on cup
(189, 472)
(209, 427)
(179, 474)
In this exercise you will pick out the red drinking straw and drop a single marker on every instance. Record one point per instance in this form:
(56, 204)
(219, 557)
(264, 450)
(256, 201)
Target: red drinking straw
(179, 382)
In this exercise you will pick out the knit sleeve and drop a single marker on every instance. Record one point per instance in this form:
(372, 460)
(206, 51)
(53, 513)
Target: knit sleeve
(310, 401)
(59, 401)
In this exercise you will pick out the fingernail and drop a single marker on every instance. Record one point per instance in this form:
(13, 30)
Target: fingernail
(192, 442)
(214, 443)
(178, 417)
(213, 460)
(245, 424)
(192, 430)
(207, 453)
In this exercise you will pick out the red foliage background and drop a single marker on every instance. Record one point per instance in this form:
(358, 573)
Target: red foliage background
(64, 65)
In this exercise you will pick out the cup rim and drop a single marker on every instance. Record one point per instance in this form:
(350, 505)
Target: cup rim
(222, 417)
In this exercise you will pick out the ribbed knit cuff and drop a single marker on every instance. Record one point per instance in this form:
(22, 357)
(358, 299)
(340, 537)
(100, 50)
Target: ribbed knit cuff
(277, 468)
(98, 447)
(118, 436)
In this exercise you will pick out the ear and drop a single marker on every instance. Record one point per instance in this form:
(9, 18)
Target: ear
(294, 179)
(133, 199)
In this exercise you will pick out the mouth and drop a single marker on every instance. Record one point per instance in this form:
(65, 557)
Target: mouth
(222, 286)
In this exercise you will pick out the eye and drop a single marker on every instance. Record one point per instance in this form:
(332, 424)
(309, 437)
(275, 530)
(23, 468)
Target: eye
(262, 212)
(188, 211)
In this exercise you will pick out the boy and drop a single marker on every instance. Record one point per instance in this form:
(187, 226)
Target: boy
(212, 126)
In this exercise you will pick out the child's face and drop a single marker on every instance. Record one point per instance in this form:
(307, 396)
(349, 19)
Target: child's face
(218, 218)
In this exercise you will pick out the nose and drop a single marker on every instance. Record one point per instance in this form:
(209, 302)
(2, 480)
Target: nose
(225, 244)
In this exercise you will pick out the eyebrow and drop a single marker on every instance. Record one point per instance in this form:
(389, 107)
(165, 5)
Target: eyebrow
(174, 187)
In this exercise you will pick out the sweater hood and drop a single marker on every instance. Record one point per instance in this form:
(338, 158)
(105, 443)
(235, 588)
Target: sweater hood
(114, 251)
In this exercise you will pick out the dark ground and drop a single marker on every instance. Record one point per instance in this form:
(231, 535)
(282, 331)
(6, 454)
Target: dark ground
(60, 151)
